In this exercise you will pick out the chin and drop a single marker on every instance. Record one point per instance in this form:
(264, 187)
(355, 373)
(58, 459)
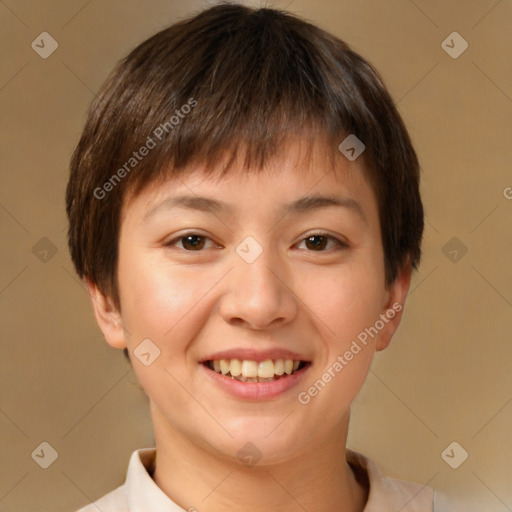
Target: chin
(262, 440)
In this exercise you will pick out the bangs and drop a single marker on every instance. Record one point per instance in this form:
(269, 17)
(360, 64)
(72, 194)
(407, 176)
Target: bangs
(251, 86)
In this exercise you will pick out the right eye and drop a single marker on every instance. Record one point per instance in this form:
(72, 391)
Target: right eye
(191, 242)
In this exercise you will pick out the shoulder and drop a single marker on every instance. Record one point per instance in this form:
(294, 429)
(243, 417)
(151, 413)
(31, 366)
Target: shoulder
(390, 494)
(137, 477)
(114, 501)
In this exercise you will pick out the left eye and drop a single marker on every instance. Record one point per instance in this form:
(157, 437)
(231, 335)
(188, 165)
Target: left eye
(318, 242)
(195, 242)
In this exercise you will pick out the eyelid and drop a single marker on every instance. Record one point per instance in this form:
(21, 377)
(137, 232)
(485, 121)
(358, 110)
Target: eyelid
(173, 242)
(340, 242)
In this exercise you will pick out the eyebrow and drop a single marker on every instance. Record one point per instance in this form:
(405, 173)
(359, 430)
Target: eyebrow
(301, 205)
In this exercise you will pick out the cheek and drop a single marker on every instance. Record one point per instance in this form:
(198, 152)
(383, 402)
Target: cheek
(345, 301)
(162, 302)
(163, 305)
(151, 301)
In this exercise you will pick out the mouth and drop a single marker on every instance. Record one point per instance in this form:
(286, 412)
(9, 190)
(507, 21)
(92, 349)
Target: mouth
(246, 370)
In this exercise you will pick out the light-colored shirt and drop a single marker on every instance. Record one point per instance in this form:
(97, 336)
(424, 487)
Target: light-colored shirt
(139, 493)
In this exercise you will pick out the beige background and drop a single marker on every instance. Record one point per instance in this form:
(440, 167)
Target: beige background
(446, 376)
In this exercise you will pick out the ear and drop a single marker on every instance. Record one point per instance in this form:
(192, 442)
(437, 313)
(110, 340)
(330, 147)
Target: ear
(394, 300)
(107, 316)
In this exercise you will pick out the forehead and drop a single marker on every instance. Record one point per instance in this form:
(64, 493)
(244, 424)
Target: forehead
(300, 168)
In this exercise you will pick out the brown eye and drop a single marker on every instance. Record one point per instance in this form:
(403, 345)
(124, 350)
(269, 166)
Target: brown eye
(193, 242)
(190, 242)
(320, 242)
(316, 242)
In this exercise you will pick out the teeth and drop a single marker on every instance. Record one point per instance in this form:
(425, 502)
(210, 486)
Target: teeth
(235, 367)
(266, 369)
(279, 367)
(224, 366)
(252, 371)
(249, 368)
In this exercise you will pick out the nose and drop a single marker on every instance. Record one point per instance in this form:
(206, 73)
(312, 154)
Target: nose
(259, 295)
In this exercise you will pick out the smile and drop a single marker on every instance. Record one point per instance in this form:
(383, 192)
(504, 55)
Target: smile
(252, 371)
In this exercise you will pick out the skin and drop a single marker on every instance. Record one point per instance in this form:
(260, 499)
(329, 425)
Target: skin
(192, 303)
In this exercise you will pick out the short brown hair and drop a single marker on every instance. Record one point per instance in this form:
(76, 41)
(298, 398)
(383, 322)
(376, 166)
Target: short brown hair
(234, 76)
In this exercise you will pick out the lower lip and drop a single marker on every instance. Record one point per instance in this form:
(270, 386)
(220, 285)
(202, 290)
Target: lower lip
(256, 390)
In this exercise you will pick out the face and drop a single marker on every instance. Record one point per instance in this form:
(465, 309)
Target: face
(241, 274)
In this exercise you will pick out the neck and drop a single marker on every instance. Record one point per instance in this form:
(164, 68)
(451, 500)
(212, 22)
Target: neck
(196, 477)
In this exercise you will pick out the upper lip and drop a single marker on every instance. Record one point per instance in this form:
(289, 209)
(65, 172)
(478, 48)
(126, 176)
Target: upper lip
(254, 355)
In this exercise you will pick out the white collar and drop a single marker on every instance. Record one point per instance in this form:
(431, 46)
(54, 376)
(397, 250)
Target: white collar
(143, 495)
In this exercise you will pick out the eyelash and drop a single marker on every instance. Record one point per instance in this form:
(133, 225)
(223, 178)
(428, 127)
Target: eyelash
(339, 243)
